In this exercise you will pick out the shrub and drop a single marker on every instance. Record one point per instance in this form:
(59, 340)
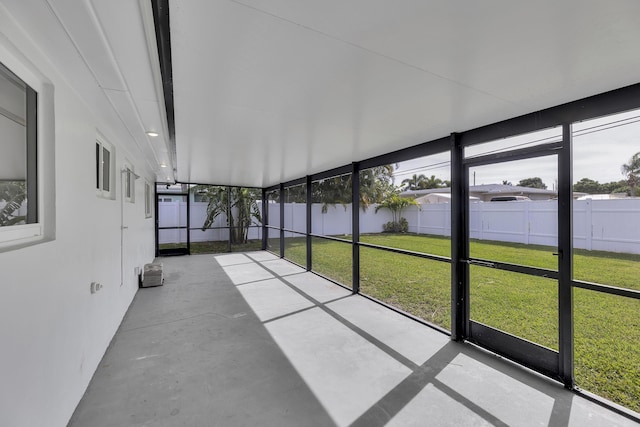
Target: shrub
(401, 226)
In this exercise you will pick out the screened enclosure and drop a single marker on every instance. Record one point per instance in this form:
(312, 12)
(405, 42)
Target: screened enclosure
(518, 237)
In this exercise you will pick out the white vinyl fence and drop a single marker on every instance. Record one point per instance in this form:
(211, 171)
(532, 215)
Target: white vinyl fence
(605, 225)
(174, 214)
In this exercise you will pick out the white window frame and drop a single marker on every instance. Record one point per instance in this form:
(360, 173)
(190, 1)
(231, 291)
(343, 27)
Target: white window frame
(18, 236)
(148, 200)
(104, 189)
(128, 183)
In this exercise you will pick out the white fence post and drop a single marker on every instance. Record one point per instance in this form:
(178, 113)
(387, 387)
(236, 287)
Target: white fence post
(481, 214)
(588, 232)
(527, 222)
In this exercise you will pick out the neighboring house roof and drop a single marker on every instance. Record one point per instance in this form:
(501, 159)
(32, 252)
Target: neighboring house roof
(434, 198)
(484, 189)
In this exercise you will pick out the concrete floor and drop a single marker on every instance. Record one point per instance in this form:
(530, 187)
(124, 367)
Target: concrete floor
(253, 340)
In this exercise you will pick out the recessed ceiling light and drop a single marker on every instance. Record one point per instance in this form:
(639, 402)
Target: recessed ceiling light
(152, 133)
(163, 165)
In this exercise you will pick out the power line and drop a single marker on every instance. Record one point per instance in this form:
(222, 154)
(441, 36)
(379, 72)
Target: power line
(581, 132)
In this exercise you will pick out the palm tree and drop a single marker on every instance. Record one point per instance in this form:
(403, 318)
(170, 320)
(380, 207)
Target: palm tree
(375, 184)
(632, 171)
(238, 204)
(396, 205)
(415, 182)
(13, 193)
(431, 182)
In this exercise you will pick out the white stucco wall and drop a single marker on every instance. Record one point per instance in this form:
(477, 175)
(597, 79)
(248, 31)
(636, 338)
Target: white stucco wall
(53, 331)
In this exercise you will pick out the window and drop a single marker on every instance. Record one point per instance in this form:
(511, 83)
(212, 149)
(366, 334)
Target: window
(18, 163)
(129, 183)
(148, 201)
(27, 176)
(104, 169)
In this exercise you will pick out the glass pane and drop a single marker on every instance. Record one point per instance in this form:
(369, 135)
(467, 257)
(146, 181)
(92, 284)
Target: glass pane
(513, 214)
(209, 241)
(295, 208)
(544, 136)
(606, 172)
(407, 205)
(147, 199)
(418, 286)
(332, 259)
(331, 210)
(98, 168)
(273, 208)
(127, 185)
(244, 214)
(252, 242)
(295, 248)
(273, 241)
(106, 169)
(607, 346)
(171, 215)
(520, 304)
(173, 238)
(13, 161)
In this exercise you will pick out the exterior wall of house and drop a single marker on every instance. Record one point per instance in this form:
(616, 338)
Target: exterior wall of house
(53, 330)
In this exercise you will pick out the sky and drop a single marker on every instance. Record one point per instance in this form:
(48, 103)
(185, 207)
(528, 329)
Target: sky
(600, 147)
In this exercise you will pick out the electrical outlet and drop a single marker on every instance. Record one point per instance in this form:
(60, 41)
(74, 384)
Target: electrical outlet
(95, 287)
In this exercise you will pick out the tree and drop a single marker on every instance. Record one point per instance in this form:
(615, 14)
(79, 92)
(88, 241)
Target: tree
(505, 182)
(431, 182)
(396, 205)
(13, 193)
(238, 204)
(631, 171)
(415, 182)
(589, 186)
(375, 184)
(535, 182)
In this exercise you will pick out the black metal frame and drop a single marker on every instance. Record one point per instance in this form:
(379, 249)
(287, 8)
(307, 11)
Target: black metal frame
(309, 223)
(187, 250)
(529, 354)
(174, 251)
(565, 258)
(355, 227)
(615, 101)
(557, 365)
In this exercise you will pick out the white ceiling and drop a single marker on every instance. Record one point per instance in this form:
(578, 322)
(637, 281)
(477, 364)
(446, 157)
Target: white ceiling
(267, 91)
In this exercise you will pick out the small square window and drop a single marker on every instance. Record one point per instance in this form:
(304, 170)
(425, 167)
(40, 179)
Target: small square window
(148, 201)
(129, 183)
(104, 169)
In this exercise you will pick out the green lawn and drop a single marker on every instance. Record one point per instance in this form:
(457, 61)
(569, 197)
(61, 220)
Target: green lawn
(215, 247)
(607, 328)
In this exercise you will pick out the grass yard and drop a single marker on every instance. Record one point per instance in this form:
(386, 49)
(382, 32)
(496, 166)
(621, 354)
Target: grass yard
(607, 328)
(215, 247)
